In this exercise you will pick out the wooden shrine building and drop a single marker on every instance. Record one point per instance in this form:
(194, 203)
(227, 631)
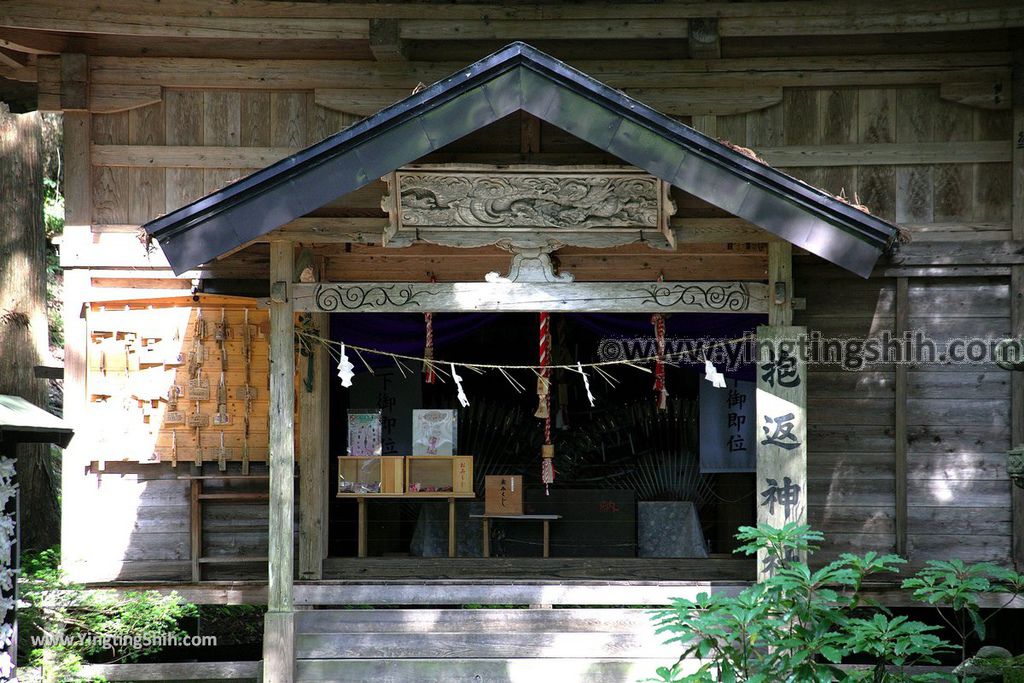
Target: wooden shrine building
(264, 199)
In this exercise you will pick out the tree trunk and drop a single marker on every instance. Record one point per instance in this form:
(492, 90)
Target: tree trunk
(24, 336)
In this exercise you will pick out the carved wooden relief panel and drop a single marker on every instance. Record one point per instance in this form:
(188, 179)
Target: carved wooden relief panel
(527, 207)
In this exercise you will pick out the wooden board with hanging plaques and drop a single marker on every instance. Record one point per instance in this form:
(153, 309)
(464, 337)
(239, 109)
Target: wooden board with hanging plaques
(178, 380)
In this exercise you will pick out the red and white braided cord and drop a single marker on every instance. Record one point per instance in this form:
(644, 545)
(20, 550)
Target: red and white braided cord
(659, 365)
(428, 350)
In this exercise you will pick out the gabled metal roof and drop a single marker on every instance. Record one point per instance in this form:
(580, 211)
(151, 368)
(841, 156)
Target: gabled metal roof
(519, 77)
(22, 422)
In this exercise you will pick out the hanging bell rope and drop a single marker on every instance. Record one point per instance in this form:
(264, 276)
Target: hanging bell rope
(660, 391)
(429, 375)
(544, 372)
(547, 468)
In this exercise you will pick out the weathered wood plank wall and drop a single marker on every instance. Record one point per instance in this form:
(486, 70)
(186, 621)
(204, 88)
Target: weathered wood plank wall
(957, 420)
(890, 132)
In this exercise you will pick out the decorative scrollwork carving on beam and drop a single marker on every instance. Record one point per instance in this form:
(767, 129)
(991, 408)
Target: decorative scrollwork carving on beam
(733, 297)
(330, 298)
(621, 297)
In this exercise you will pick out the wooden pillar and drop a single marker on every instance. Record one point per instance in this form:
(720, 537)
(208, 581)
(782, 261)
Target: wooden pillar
(781, 426)
(781, 423)
(279, 625)
(76, 534)
(900, 419)
(313, 446)
(780, 283)
(1017, 299)
(1017, 408)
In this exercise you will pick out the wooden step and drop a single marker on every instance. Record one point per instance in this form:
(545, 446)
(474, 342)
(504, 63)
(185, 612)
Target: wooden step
(437, 593)
(509, 645)
(349, 621)
(557, 669)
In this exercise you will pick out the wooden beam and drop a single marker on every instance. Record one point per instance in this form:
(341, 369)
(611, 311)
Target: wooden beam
(63, 82)
(639, 297)
(262, 74)
(107, 99)
(870, 15)
(243, 672)
(314, 432)
(74, 81)
(674, 101)
(886, 154)
(963, 253)
(121, 246)
(48, 82)
(795, 156)
(994, 95)
(548, 29)
(703, 40)
(113, 18)
(12, 60)
(386, 43)
(900, 425)
(995, 16)
(33, 42)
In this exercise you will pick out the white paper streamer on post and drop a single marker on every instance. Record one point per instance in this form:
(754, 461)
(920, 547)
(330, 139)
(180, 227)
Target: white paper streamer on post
(586, 383)
(345, 368)
(712, 375)
(458, 386)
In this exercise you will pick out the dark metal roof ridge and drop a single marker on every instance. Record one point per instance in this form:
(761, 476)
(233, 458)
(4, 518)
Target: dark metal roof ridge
(860, 225)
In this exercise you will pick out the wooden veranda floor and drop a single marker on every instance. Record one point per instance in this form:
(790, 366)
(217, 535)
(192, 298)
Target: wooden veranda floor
(729, 569)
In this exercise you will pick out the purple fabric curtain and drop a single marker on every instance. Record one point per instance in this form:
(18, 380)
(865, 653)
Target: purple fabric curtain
(404, 332)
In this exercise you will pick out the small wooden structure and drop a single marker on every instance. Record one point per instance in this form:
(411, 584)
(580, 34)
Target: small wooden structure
(20, 423)
(913, 112)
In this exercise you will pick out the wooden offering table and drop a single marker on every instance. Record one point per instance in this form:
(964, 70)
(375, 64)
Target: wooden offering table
(361, 500)
(487, 529)
(420, 477)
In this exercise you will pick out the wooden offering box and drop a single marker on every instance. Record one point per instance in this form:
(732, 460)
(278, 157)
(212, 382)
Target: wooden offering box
(430, 475)
(370, 475)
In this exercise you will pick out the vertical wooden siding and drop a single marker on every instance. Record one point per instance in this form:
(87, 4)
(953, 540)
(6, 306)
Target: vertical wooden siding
(957, 419)
(220, 118)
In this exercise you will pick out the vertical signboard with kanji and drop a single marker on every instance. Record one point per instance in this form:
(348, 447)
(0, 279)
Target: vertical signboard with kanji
(727, 428)
(781, 419)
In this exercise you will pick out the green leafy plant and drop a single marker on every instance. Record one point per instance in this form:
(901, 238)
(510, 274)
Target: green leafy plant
(798, 624)
(62, 624)
(960, 587)
(893, 641)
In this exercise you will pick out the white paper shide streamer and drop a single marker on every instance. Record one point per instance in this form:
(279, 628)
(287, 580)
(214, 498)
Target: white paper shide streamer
(712, 375)
(345, 368)
(458, 386)
(586, 383)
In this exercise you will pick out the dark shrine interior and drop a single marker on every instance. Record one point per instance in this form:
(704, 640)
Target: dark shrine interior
(608, 458)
